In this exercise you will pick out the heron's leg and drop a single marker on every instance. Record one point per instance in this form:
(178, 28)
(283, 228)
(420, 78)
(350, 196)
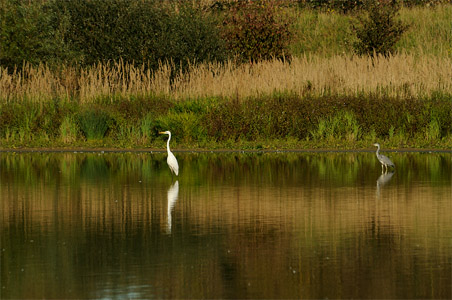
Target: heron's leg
(382, 166)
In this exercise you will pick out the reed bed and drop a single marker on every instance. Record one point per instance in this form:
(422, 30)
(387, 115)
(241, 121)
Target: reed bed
(399, 75)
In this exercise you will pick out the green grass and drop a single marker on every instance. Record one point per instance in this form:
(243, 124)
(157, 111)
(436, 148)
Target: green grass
(321, 33)
(329, 33)
(341, 101)
(430, 31)
(281, 121)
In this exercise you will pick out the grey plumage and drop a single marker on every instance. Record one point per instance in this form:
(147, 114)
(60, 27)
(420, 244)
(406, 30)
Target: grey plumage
(384, 160)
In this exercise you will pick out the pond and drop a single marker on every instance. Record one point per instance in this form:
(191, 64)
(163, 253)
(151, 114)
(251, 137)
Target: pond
(231, 225)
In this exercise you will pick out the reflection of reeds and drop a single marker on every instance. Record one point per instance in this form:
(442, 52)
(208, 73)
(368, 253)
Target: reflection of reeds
(255, 222)
(344, 209)
(399, 75)
(138, 185)
(329, 231)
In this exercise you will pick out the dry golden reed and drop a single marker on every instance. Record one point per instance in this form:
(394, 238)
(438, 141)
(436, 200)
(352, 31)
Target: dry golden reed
(398, 75)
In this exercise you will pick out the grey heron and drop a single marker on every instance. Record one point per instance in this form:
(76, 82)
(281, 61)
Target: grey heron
(384, 160)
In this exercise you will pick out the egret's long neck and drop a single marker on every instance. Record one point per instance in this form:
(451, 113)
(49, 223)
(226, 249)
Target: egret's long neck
(378, 149)
(167, 143)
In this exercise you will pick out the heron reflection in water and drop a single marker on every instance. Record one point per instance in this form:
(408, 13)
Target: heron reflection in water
(384, 160)
(173, 193)
(383, 180)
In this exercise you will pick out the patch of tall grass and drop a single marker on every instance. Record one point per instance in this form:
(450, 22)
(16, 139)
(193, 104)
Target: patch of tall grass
(402, 75)
(320, 33)
(341, 126)
(430, 30)
(328, 33)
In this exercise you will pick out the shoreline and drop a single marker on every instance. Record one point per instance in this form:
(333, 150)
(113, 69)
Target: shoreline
(151, 150)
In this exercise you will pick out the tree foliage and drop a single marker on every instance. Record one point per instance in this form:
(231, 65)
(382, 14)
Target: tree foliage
(253, 30)
(85, 32)
(379, 30)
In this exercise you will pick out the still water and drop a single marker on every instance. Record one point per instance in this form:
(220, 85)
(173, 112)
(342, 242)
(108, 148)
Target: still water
(232, 225)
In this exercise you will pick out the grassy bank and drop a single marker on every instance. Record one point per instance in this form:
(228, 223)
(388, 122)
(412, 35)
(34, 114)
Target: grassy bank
(278, 121)
(323, 96)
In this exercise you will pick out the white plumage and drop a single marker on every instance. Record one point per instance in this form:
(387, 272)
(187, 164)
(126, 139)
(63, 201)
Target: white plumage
(171, 159)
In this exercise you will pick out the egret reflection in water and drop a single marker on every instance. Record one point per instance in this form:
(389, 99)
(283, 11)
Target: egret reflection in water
(173, 193)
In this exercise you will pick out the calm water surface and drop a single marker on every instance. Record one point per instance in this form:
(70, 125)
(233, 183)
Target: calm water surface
(232, 225)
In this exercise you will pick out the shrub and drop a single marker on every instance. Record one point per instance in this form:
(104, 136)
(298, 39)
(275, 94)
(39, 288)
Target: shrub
(26, 34)
(342, 125)
(433, 130)
(379, 31)
(93, 123)
(194, 37)
(19, 120)
(138, 32)
(343, 6)
(86, 32)
(185, 126)
(253, 31)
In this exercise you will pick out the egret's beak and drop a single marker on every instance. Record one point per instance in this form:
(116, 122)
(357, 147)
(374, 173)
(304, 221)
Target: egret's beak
(161, 132)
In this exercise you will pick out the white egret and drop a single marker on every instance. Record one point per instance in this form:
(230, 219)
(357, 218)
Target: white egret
(171, 159)
(384, 160)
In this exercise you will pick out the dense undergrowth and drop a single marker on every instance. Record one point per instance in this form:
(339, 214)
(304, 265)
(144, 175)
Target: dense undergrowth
(279, 121)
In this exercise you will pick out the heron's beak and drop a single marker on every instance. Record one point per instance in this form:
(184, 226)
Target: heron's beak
(161, 132)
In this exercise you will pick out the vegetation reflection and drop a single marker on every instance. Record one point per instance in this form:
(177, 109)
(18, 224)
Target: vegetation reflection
(234, 225)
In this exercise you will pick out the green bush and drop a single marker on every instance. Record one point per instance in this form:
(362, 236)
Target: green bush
(339, 5)
(19, 121)
(139, 32)
(319, 121)
(325, 118)
(253, 30)
(27, 34)
(379, 31)
(86, 32)
(93, 123)
(185, 126)
(342, 125)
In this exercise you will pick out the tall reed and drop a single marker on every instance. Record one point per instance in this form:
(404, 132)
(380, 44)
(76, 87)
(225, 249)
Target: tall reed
(404, 75)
